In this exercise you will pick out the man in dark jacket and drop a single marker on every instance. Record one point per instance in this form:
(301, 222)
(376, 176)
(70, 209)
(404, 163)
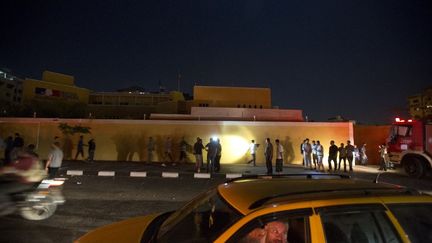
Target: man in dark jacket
(333, 151)
(268, 154)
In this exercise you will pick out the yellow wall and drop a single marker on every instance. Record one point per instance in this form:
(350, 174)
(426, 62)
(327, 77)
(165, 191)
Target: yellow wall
(120, 139)
(233, 96)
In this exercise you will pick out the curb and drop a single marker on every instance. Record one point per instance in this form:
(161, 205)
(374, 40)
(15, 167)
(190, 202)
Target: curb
(163, 174)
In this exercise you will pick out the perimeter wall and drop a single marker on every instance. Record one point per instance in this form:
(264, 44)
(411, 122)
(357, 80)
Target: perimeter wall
(126, 140)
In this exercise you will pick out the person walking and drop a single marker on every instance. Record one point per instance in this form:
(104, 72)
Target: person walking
(268, 154)
(350, 155)
(198, 148)
(55, 160)
(307, 151)
(333, 151)
(279, 156)
(150, 149)
(80, 147)
(91, 149)
(314, 154)
(252, 149)
(342, 156)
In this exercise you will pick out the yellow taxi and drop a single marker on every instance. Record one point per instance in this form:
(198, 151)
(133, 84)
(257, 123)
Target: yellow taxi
(286, 208)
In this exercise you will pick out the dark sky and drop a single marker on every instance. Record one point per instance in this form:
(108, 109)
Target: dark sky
(359, 59)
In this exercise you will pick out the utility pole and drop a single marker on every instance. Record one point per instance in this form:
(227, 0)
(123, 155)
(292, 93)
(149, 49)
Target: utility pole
(178, 80)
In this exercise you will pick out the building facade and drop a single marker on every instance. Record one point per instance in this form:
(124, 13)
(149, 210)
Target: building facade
(11, 88)
(420, 105)
(133, 104)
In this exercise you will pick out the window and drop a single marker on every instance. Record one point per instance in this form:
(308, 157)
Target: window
(357, 223)
(415, 219)
(287, 226)
(202, 220)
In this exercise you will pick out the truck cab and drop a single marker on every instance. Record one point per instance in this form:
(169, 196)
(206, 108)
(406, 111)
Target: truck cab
(410, 145)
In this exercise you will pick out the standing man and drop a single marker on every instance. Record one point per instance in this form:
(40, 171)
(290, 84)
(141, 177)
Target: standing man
(320, 155)
(314, 154)
(342, 156)
(349, 154)
(252, 149)
(333, 150)
(268, 154)
(55, 159)
(211, 155)
(80, 147)
(150, 149)
(307, 151)
(91, 149)
(384, 157)
(218, 155)
(279, 156)
(198, 148)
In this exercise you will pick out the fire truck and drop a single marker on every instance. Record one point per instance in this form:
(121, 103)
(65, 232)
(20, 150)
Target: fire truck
(410, 146)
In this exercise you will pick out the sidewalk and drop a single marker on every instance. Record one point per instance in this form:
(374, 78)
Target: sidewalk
(142, 169)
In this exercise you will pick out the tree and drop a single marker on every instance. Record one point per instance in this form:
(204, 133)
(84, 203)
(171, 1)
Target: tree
(71, 130)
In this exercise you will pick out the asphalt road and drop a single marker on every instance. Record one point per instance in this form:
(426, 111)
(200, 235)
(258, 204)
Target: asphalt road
(93, 201)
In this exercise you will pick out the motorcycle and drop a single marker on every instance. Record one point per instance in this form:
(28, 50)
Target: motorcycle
(39, 202)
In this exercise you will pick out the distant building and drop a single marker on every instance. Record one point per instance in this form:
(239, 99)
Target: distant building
(420, 105)
(11, 88)
(54, 87)
(133, 104)
(232, 103)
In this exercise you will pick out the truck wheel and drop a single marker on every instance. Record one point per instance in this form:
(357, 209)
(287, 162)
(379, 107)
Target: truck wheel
(414, 167)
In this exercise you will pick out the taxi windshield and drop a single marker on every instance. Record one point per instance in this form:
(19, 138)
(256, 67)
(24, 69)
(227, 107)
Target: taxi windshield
(201, 220)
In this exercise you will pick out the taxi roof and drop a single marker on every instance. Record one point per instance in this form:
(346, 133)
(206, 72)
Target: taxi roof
(248, 194)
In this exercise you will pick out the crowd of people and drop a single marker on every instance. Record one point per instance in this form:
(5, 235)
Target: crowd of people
(25, 163)
(313, 153)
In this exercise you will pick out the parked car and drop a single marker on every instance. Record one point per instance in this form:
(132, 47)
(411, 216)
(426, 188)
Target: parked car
(286, 208)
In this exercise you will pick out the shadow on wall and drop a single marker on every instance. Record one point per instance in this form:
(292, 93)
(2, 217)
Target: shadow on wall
(67, 147)
(289, 150)
(134, 148)
(127, 146)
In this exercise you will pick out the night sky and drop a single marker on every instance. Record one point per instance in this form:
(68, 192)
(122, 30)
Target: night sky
(359, 59)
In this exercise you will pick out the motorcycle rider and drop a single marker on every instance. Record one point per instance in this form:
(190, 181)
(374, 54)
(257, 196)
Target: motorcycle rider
(20, 175)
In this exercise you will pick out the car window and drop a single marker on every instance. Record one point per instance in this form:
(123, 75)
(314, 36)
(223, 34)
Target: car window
(276, 227)
(203, 220)
(415, 219)
(359, 223)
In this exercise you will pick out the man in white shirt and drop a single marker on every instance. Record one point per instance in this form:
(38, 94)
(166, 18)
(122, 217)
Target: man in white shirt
(252, 149)
(55, 159)
(279, 156)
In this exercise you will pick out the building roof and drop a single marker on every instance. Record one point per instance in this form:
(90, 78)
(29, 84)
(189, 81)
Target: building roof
(248, 194)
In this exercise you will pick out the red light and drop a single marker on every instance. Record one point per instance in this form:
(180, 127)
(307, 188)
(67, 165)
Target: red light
(397, 119)
(409, 120)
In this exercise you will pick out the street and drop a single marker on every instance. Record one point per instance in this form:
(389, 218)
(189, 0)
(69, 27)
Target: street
(93, 201)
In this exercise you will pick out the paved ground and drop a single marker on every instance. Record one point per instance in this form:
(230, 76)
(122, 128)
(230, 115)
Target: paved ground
(123, 168)
(93, 201)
